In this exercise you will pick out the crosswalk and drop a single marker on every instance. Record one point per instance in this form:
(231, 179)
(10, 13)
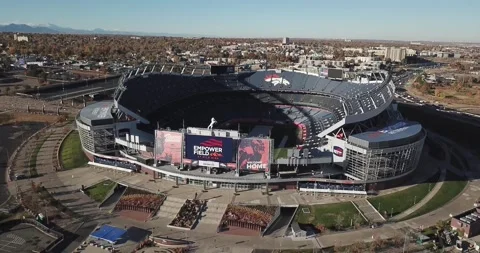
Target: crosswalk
(11, 243)
(15, 239)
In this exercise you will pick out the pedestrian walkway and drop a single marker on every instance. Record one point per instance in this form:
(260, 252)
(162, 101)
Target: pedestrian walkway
(213, 214)
(367, 209)
(462, 202)
(47, 143)
(170, 207)
(427, 198)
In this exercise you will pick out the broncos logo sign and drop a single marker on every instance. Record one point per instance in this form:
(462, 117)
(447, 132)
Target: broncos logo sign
(276, 79)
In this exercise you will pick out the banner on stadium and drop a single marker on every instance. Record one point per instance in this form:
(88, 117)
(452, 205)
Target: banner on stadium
(254, 154)
(209, 148)
(211, 164)
(168, 146)
(324, 72)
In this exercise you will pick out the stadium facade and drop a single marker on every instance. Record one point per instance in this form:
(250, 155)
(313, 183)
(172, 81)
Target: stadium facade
(349, 136)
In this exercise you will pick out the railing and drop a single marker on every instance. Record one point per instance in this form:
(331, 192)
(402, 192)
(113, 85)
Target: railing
(274, 219)
(246, 225)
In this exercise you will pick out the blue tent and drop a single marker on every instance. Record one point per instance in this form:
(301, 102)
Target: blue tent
(108, 233)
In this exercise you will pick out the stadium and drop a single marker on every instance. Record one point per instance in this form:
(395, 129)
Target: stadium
(316, 130)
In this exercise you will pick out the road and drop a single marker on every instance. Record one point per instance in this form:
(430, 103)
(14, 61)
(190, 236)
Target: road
(10, 138)
(88, 88)
(401, 80)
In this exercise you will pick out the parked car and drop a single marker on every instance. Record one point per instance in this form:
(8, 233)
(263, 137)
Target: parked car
(20, 177)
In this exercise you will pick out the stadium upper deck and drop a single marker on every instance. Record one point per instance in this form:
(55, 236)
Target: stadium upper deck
(142, 93)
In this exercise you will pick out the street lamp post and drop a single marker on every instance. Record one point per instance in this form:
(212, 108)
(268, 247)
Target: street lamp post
(405, 242)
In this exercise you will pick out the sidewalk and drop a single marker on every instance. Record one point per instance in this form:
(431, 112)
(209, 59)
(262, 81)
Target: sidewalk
(427, 198)
(464, 201)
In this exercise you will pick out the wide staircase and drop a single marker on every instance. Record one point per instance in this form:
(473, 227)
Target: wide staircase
(370, 213)
(213, 214)
(170, 207)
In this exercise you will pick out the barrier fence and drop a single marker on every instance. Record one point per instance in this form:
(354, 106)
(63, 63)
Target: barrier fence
(134, 208)
(242, 224)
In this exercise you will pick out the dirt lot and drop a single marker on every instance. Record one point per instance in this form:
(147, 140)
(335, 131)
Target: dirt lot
(466, 99)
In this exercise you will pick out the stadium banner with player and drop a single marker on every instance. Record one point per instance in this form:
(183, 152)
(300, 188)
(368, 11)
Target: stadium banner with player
(209, 148)
(168, 146)
(254, 154)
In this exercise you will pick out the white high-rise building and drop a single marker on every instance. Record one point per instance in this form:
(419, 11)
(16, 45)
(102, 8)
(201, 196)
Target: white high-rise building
(286, 40)
(395, 54)
(19, 38)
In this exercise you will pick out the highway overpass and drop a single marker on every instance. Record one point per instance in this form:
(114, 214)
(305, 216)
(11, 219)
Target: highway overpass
(75, 89)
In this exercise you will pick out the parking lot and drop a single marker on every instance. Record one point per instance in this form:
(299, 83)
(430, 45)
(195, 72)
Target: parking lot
(23, 238)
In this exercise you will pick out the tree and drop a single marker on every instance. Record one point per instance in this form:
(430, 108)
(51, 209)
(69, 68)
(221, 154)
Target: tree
(12, 50)
(438, 93)
(424, 88)
(377, 244)
(442, 225)
(398, 240)
(357, 221)
(339, 218)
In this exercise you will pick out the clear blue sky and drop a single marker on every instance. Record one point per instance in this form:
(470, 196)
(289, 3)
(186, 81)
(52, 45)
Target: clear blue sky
(445, 20)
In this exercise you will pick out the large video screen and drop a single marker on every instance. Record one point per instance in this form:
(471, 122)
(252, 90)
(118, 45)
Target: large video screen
(222, 69)
(335, 73)
(209, 148)
(254, 154)
(168, 146)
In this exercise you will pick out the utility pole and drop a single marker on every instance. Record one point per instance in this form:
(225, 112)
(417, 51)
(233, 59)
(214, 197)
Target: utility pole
(46, 215)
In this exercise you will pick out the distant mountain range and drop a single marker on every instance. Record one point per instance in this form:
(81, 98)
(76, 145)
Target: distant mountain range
(55, 29)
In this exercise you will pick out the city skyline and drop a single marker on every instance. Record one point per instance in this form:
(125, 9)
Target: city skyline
(410, 21)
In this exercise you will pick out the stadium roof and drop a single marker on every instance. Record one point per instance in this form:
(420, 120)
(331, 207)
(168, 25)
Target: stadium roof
(298, 81)
(399, 133)
(108, 233)
(97, 113)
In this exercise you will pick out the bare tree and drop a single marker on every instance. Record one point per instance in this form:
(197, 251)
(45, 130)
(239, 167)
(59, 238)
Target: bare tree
(339, 218)
(357, 221)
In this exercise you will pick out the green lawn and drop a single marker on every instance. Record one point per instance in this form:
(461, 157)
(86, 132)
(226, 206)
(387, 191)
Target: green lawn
(99, 191)
(330, 215)
(280, 153)
(449, 190)
(71, 153)
(397, 202)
